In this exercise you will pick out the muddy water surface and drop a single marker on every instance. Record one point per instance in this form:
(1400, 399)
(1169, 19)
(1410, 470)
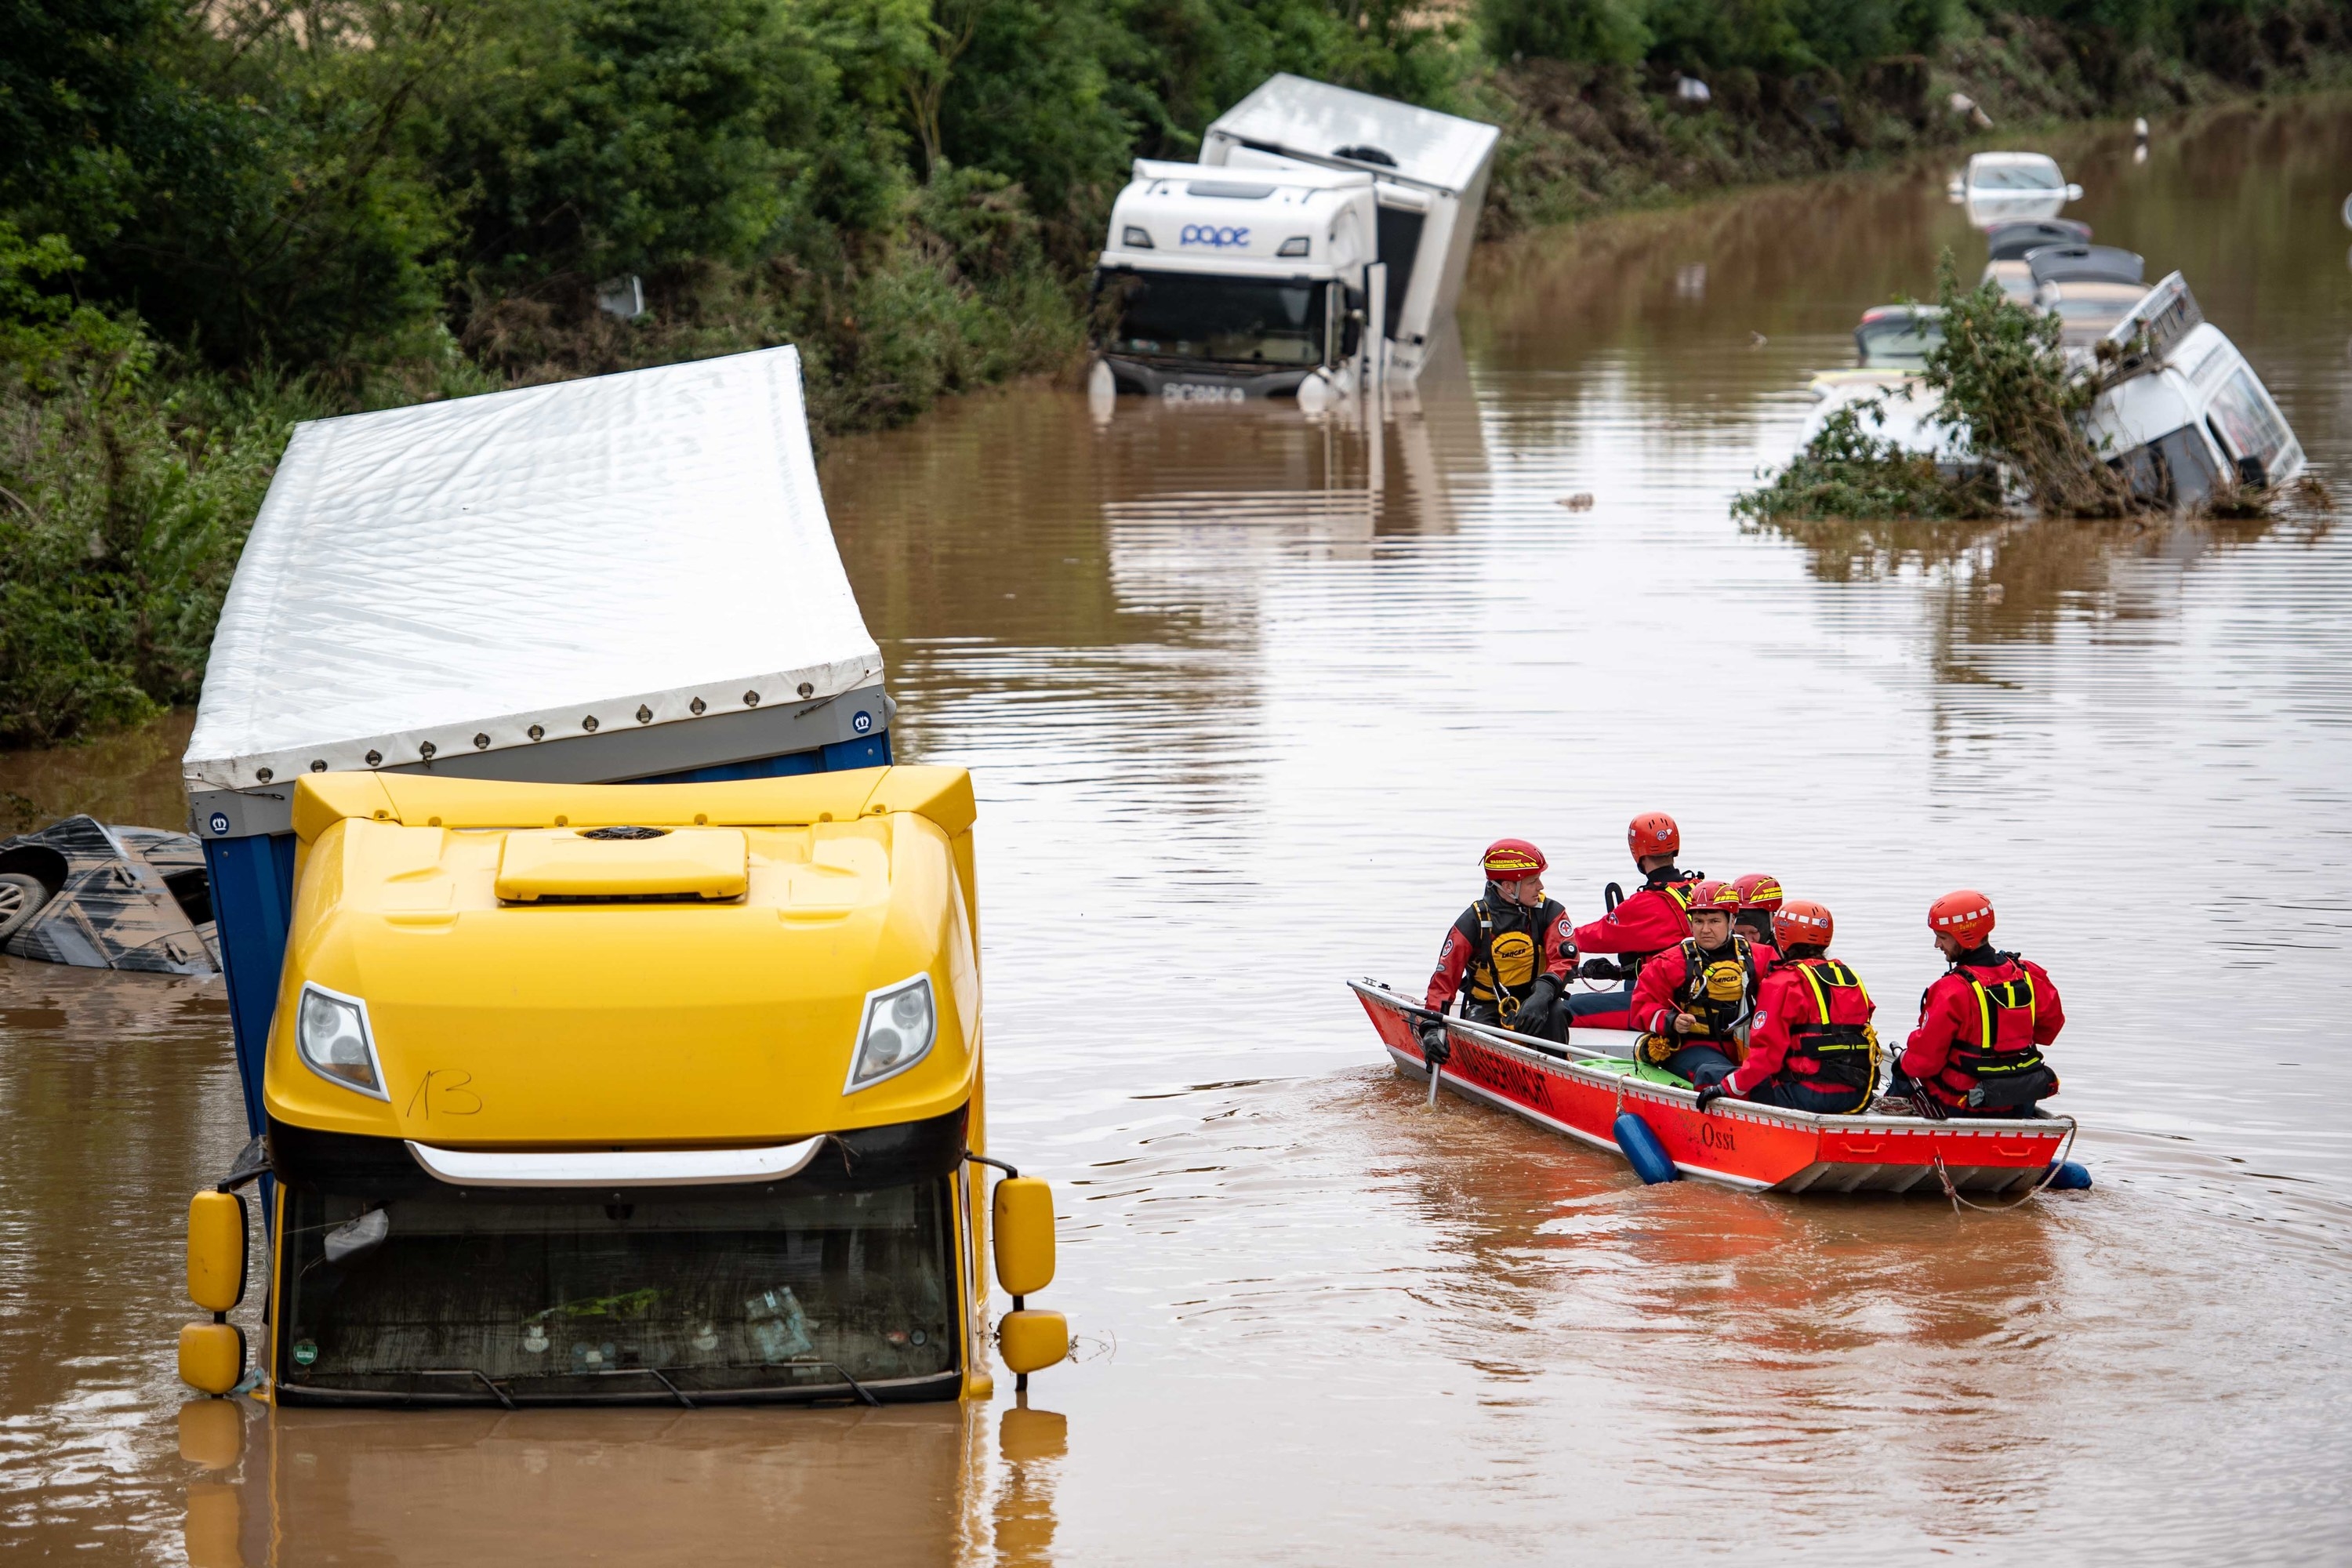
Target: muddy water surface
(1244, 696)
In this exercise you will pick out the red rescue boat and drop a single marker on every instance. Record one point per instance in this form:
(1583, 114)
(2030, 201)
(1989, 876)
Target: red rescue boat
(1580, 1090)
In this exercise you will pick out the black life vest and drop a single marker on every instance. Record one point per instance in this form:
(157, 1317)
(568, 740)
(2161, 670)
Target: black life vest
(1999, 1067)
(1723, 1025)
(1838, 1055)
(1508, 952)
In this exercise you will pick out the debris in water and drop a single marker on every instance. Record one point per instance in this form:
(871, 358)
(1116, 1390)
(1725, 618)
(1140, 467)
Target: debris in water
(1580, 501)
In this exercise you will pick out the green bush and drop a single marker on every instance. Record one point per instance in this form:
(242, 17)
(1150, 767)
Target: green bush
(1600, 32)
(1847, 474)
(120, 516)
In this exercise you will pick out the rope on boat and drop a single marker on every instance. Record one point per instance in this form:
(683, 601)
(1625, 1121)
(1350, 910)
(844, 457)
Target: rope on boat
(1959, 1203)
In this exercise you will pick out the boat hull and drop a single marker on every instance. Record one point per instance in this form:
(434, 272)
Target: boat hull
(1758, 1148)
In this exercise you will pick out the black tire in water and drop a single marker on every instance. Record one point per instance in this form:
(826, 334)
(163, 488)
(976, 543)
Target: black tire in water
(21, 898)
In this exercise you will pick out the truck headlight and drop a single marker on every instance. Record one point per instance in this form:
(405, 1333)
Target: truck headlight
(330, 1031)
(900, 1024)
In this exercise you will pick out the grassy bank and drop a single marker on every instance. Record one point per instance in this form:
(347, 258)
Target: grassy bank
(219, 218)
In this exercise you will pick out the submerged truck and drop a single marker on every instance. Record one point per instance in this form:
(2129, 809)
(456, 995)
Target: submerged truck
(607, 1004)
(1314, 250)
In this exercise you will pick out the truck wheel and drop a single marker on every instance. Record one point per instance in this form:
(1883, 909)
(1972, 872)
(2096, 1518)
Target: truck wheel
(21, 898)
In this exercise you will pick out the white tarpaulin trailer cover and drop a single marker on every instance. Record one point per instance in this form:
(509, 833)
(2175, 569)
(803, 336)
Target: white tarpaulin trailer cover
(1292, 115)
(469, 577)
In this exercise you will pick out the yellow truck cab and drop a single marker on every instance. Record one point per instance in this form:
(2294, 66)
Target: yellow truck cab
(663, 1088)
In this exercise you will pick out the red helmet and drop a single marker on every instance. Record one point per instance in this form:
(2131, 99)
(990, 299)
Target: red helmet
(1966, 916)
(1714, 895)
(1757, 891)
(1512, 859)
(1799, 920)
(1653, 833)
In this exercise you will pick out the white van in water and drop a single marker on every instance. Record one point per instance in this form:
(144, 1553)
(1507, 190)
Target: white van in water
(2182, 408)
(1315, 248)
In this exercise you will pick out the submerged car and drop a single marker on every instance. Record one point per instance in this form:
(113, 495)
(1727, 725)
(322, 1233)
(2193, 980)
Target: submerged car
(1891, 346)
(2007, 247)
(83, 893)
(2003, 188)
(2089, 288)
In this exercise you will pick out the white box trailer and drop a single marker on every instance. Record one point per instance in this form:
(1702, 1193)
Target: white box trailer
(1322, 254)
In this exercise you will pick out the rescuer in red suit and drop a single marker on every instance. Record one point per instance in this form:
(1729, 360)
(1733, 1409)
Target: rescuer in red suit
(1650, 920)
(1982, 1026)
(1693, 1002)
(1811, 1046)
(1759, 896)
(1510, 954)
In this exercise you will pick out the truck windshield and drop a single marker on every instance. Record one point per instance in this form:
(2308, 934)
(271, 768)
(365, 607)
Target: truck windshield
(1249, 321)
(570, 1300)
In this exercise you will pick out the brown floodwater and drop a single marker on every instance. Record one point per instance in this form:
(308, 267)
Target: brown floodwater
(1244, 696)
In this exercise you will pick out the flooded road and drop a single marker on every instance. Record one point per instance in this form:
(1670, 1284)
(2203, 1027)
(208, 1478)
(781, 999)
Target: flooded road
(1244, 697)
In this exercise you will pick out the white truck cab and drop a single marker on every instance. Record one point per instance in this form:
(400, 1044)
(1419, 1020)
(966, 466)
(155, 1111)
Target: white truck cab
(1314, 250)
(1225, 284)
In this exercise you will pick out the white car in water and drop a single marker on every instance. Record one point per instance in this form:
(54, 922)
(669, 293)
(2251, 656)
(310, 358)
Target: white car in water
(1890, 345)
(2010, 187)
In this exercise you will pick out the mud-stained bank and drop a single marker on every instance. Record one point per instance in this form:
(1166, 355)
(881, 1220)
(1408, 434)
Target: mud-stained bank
(1244, 696)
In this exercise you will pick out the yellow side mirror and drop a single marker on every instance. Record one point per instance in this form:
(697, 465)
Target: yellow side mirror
(216, 1250)
(212, 1357)
(1032, 1341)
(1022, 1221)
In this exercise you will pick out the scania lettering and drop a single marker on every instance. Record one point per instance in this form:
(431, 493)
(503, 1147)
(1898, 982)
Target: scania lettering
(606, 1002)
(1312, 252)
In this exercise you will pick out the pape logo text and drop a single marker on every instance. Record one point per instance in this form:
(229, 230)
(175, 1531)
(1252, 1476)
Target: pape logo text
(1210, 235)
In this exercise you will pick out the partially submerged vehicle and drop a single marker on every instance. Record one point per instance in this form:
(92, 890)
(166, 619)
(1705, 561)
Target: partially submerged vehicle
(1314, 250)
(607, 1003)
(2007, 187)
(100, 897)
(1584, 1088)
(2008, 244)
(2089, 288)
(2181, 409)
(1891, 347)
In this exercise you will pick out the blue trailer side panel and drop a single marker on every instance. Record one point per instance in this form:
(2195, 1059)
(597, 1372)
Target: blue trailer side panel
(253, 900)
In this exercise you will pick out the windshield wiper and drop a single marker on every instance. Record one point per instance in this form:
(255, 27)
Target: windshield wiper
(856, 1387)
(477, 1375)
(653, 1372)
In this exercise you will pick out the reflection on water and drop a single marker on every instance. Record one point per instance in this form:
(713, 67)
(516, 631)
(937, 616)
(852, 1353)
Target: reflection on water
(1245, 692)
(896, 1486)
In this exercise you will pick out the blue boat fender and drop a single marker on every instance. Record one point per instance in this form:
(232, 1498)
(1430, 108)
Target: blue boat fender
(1642, 1148)
(2070, 1177)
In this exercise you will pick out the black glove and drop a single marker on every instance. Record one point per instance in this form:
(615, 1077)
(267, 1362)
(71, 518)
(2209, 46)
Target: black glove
(1536, 1007)
(1710, 1094)
(1434, 1046)
(1600, 969)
